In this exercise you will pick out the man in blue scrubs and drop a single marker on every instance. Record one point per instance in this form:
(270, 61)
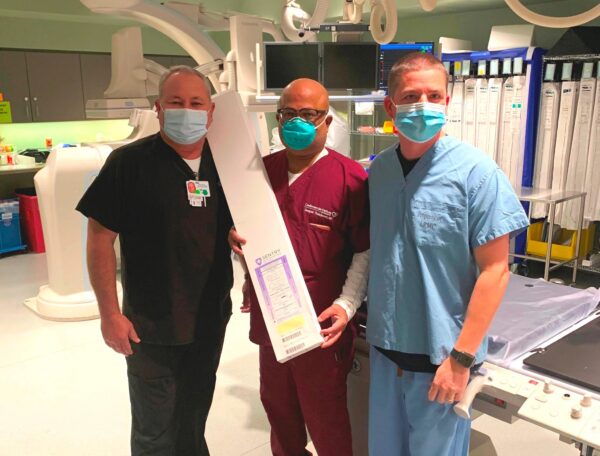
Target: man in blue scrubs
(441, 216)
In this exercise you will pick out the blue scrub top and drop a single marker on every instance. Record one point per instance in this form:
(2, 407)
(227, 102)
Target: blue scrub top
(423, 232)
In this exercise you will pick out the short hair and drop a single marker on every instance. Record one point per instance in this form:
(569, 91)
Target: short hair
(181, 69)
(412, 62)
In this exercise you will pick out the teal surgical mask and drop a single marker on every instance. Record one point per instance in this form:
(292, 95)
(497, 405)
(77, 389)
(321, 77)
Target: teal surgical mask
(298, 134)
(419, 122)
(185, 126)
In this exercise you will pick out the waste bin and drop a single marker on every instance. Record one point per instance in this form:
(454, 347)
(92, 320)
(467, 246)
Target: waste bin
(31, 220)
(10, 227)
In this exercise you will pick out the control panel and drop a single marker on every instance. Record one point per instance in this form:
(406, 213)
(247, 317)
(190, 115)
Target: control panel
(571, 414)
(542, 402)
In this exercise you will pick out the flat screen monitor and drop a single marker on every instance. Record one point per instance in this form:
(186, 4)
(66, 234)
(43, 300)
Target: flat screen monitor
(350, 66)
(284, 62)
(390, 53)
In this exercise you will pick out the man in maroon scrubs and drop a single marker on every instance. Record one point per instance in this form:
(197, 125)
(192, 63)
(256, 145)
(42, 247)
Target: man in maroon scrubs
(323, 198)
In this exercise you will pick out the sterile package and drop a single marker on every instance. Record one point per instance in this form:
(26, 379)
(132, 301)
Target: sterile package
(282, 294)
(531, 312)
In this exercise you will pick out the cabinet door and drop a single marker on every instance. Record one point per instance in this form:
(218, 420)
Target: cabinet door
(55, 86)
(95, 75)
(14, 85)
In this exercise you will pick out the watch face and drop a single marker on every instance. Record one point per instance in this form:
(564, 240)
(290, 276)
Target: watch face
(464, 359)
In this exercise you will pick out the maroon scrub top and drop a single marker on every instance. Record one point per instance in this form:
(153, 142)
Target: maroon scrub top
(326, 213)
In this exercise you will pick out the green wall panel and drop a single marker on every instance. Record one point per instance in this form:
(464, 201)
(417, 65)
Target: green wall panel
(33, 135)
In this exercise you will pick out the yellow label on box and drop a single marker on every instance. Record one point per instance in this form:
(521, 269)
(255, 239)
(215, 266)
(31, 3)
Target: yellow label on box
(290, 325)
(5, 112)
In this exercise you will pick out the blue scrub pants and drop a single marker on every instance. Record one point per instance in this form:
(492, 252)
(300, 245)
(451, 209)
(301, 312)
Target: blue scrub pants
(403, 422)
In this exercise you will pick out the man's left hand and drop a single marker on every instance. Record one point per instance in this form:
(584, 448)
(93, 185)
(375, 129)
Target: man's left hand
(340, 319)
(449, 382)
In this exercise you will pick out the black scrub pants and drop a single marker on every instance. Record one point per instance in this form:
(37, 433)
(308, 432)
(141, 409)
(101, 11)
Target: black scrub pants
(171, 390)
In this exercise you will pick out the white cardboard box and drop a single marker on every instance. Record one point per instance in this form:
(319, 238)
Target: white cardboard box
(282, 294)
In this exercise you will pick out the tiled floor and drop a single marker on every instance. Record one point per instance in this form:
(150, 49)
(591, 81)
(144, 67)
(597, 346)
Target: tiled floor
(64, 393)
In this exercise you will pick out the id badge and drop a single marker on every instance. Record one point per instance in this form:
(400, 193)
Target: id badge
(197, 192)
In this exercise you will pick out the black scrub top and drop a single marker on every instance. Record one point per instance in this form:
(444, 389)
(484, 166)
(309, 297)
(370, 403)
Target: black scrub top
(175, 261)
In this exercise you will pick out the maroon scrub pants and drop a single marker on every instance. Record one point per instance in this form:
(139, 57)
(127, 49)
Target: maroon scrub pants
(310, 391)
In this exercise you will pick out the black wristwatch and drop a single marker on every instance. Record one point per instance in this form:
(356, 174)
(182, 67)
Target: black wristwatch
(463, 358)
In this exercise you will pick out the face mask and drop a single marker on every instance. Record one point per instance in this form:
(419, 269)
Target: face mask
(419, 122)
(298, 133)
(185, 126)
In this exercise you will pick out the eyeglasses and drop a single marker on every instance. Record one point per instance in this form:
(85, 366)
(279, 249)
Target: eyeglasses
(310, 115)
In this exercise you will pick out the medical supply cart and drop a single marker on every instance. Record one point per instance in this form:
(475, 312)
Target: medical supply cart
(552, 198)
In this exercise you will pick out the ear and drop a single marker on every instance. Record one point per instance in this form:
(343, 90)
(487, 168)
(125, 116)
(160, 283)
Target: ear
(328, 120)
(210, 114)
(390, 109)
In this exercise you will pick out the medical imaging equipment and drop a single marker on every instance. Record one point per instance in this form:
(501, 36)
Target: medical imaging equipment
(537, 324)
(69, 171)
(293, 13)
(571, 358)
(59, 185)
(533, 314)
(68, 295)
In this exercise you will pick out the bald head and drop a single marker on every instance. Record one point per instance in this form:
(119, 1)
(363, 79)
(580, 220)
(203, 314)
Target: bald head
(307, 91)
(309, 100)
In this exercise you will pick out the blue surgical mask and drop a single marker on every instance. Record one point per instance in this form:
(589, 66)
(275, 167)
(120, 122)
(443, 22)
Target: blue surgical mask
(419, 122)
(185, 126)
(298, 134)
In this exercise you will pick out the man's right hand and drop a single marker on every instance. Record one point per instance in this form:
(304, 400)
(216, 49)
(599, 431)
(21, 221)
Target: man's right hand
(246, 290)
(117, 330)
(236, 242)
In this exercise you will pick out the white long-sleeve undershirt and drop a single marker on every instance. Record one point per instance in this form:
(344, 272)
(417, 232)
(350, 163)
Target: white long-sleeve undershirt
(355, 287)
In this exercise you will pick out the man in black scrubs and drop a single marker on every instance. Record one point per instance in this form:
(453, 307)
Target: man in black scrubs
(162, 196)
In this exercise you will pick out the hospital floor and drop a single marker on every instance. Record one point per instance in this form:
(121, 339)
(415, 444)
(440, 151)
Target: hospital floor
(64, 393)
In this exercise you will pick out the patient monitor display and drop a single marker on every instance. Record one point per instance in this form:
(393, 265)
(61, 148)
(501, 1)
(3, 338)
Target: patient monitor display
(338, 66)
(390, 53)
(285, 62)
(350, 66)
